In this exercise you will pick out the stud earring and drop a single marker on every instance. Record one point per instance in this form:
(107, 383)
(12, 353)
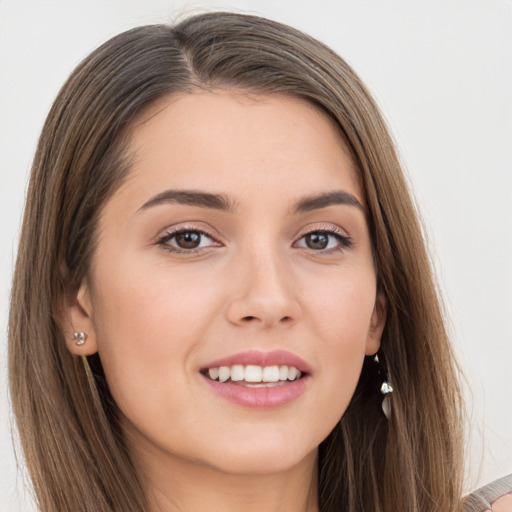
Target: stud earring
(79, 337)
(385, 387)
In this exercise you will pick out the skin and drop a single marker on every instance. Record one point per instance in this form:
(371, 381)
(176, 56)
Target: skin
(157, 317)
(503, 504)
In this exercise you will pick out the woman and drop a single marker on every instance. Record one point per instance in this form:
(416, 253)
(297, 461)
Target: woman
(221, 240)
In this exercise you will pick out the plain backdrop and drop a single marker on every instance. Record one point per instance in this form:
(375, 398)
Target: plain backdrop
(442, 73)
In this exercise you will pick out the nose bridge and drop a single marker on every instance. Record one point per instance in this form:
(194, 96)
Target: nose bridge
(265, 292)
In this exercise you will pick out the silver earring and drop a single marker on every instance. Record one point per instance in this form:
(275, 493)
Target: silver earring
(79, 337)
(385, 388)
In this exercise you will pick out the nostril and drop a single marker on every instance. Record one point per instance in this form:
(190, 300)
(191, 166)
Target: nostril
(250, 318)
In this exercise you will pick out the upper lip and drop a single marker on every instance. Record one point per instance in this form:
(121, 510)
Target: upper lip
(259, 358)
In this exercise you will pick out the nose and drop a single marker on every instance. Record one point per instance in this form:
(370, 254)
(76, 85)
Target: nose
(264, 293)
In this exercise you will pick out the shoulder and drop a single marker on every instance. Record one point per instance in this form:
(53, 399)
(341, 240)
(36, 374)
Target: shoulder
(497, 496)
(503, 504)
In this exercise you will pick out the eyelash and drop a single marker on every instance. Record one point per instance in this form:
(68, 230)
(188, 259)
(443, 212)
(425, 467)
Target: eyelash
(345, 242)
(165, 239)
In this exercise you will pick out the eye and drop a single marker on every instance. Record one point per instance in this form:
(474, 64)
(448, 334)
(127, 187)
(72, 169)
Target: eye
(324, 240)
(186, 240)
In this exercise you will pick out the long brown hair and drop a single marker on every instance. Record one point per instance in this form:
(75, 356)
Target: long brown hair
(65, 415)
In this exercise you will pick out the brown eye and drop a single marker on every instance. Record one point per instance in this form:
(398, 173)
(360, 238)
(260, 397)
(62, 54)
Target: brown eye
(317, 241)
(324, 240)
(188, 239)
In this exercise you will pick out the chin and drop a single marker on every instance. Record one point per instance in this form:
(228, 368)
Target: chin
(266, 455)
(259, 464)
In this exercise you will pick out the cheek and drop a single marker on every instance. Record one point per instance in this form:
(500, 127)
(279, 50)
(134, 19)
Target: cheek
(148, 322)
(149, 308)
(342, 312)
(341, 307)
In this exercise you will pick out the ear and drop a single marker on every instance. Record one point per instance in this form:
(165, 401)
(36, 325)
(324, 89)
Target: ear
(77, 316)
(377, 323)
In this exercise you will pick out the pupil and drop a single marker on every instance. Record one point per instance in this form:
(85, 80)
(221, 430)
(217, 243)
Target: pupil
(188, 240)
(317, 241)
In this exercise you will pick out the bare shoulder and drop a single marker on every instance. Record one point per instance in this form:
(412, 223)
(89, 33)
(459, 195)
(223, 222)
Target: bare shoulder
(503, 504)
(495, 497)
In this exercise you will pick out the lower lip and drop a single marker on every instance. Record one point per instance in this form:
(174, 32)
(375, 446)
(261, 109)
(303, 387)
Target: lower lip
(259, 398)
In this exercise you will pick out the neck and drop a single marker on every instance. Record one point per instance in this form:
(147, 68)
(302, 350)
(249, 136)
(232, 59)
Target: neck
(179, 485)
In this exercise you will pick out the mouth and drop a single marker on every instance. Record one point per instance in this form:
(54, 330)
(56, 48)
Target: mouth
(254, 376)
(258, 380)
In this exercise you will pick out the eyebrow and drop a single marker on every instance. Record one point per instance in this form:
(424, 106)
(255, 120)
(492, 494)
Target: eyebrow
(317, 201)
(192, 198)
(224, 203)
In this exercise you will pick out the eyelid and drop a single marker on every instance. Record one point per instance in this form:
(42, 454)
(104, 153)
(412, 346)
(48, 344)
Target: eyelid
(173, 231)
(342, 236)
(345, 241)
(179, 227)
(323, 227)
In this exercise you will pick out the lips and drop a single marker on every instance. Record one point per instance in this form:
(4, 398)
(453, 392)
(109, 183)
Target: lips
(258, 358)
(257, 379)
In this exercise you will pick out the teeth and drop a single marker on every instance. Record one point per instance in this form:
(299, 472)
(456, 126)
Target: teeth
(224, 373)
(254, 374)
(292, 373)
(237, 372)
(271, 374)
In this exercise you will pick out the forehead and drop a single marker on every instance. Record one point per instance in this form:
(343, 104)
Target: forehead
(233, 139)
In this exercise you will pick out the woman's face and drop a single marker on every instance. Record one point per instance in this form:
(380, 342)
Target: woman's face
(237, 249)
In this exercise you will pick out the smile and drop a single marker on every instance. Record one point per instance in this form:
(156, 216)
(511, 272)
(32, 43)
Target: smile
(258, 380)
(253, 375)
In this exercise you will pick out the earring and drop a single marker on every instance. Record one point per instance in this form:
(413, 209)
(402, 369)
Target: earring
(79, 337)
(385, 387)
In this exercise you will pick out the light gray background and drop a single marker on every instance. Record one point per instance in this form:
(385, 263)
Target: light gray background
(441, 71)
